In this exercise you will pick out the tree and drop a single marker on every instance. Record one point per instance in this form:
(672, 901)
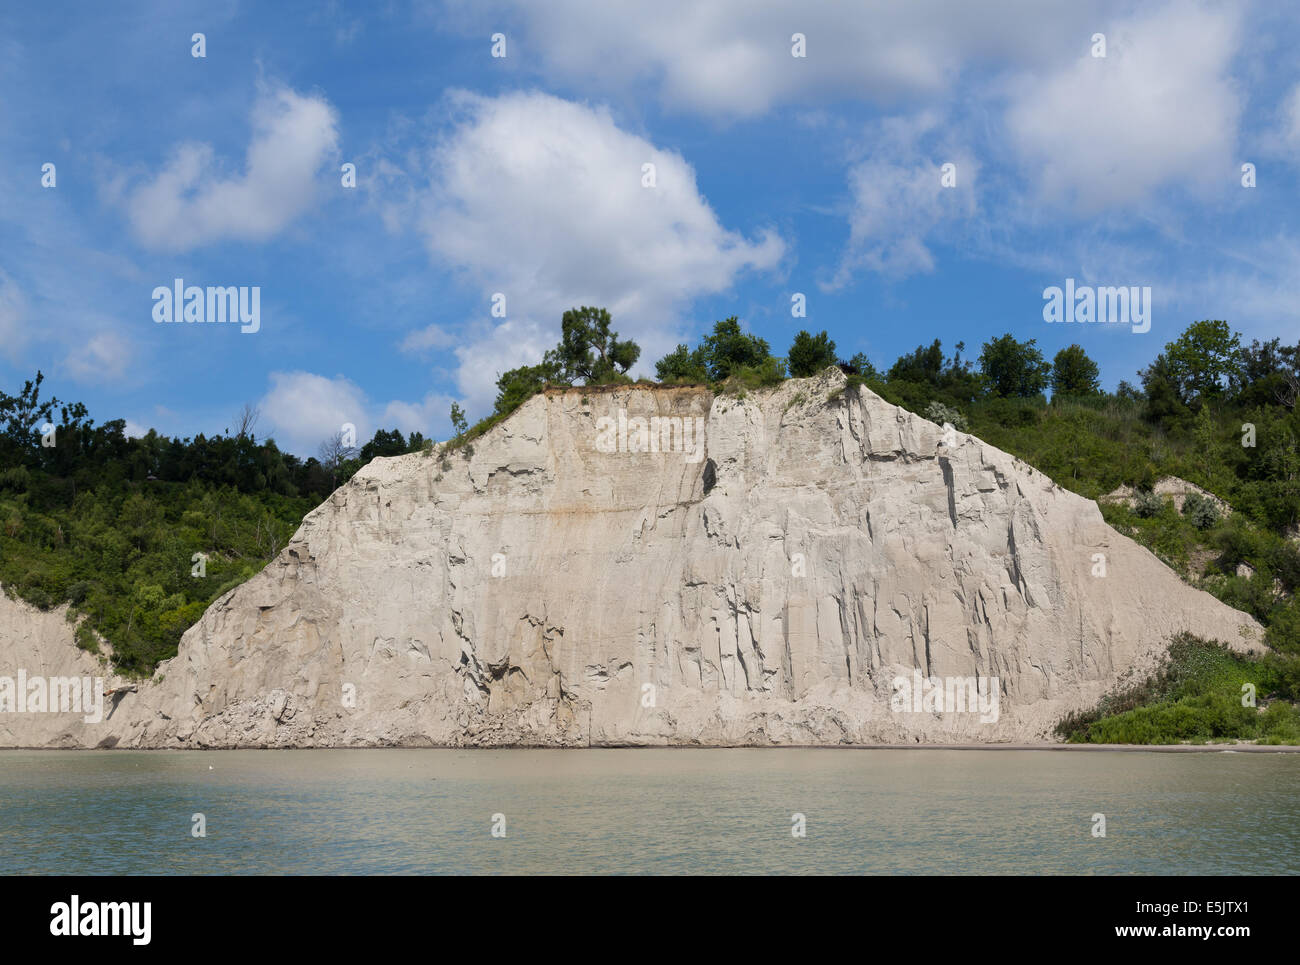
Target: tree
(517, 386)
(1014, 369)
(1269, 374)
(924, 364)
(1127, 390)
(1073, 373)
(458, 421)
(810, 354)
(1201, 361)
(729, 349)
(590, 350)
(246, 421)
(334, 452)
(862, 366)
(385, 443)
(683, 365)
(20, 416)
(1165, 405)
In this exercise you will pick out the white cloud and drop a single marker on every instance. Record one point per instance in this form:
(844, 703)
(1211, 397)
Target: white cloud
(899, 198)
(301, 410)
(304, 410)
(1160, 107)
(100, 358)
(192, 201)
(1254, 286)
(1289, 128)
(733, 58)
(491, 350)
(542, 199)
(433, 410)
(424, 339)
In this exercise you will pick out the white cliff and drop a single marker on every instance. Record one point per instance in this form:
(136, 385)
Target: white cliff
(765, 590)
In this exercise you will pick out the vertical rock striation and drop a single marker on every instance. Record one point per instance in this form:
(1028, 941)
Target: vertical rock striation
(766, 588)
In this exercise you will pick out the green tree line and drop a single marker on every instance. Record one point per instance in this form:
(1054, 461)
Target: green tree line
(140, 535)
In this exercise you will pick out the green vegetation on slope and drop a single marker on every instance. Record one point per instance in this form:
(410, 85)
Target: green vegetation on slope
(1203, 692)
(111, 525)
(1210, 411)
(141, 535)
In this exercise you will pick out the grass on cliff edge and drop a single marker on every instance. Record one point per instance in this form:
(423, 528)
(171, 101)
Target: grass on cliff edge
(1196, 697)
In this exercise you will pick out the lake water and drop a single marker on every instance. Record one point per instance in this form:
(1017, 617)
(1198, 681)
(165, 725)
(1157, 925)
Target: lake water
(656, 811)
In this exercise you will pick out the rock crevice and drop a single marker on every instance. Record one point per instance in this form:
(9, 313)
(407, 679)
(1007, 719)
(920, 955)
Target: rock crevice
(764, 586)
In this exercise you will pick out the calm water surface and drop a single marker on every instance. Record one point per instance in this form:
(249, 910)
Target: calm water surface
(655, 811)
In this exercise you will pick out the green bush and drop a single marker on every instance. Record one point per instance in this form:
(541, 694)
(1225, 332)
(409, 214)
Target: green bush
(769, 371)
(1283, 633)
(1147, 504)
(939, 414)
(1195, 696)
(1201, 511)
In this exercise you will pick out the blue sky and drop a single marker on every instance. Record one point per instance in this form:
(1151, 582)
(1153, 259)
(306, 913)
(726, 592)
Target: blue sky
(523, 175)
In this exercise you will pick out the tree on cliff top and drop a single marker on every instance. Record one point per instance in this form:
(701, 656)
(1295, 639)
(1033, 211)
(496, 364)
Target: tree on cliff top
(683, 365)
(590, 350)
(809, 354)
(729, 349)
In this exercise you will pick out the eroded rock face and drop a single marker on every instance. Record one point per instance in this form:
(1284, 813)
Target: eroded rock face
(766, 588)
(38, 656)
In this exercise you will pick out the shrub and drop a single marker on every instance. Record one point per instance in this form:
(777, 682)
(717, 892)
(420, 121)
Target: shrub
(939, 414)
(769, 371)
(1195, 695)
(1283, 633)
(85, 638)
(1279, 724)
(1201, 511)
(1148, 504)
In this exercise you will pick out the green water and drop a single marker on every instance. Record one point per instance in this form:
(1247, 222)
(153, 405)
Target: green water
(656, 811)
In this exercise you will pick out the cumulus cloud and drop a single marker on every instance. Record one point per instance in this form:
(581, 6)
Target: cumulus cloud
(491, 349)
(733, 58)
(194, 200)
(1288, 132)
(425, 416)
(899, 198)
(1160, 107)
(424, 339)
(100, 358)
(544, 200)
(303, 409)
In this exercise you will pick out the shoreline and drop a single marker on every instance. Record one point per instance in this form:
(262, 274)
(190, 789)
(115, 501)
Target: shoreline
(1130, 748)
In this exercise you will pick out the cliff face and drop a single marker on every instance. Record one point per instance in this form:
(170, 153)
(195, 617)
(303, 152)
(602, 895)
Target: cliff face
(36, 649)
(764, 584)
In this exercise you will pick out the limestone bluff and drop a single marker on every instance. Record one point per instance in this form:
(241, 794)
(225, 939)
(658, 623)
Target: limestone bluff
(543, 592)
